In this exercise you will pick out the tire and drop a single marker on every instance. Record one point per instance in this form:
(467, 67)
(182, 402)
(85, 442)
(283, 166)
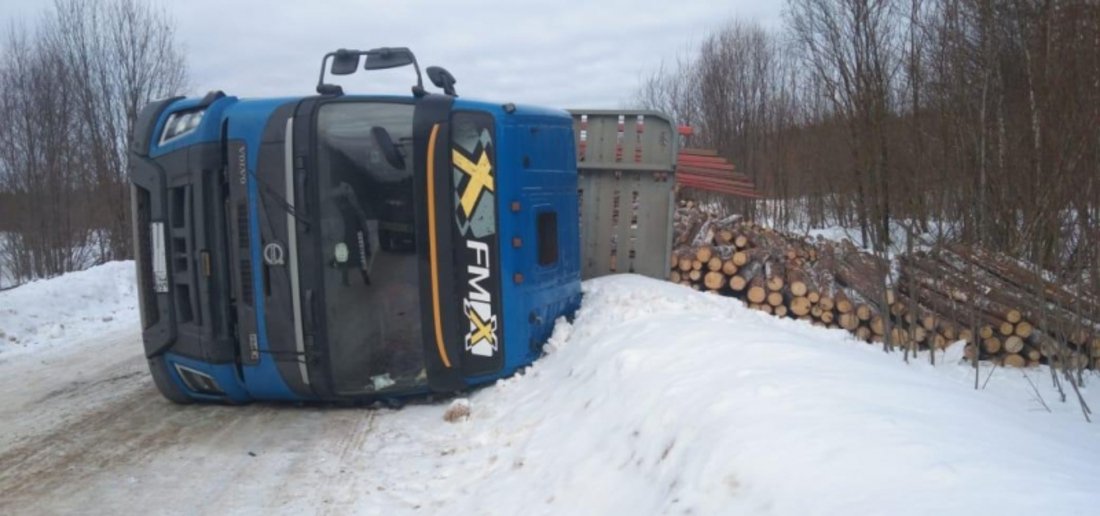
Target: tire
(168, 388)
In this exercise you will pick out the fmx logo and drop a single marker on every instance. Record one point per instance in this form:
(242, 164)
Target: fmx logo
(481, 338)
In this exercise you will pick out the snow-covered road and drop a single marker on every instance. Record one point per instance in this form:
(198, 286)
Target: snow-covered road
(657, 400)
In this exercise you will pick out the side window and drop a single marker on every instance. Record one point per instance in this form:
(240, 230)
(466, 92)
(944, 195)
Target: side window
(547, 227)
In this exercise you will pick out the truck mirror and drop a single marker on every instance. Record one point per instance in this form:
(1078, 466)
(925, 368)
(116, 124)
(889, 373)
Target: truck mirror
(345, 62)
(386, 57)
(442, 79)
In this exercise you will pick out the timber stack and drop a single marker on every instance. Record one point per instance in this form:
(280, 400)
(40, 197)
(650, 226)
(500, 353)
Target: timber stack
(1004, 311)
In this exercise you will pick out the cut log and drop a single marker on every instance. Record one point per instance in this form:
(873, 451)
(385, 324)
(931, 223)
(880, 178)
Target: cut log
(774, 283)
(949, 331)
(758, 293)
(745, 275)
(1024, 329)
(704, 253)
(728, 267)
(714, 280)
(737, 283)
(724, 236)
(863, 311)
(800, 305)
(843, 304)
(714, 264)
(1013, 344)
(878, 325)
(779, 311)
(862, 273)
(849, 321)
(1013, 360)
(775, 298)
(899, 337)
(991, 345)
(947, 308)
(796, 282)
(775, 273)
(683, 263)
(674, 276)
(1032, 354)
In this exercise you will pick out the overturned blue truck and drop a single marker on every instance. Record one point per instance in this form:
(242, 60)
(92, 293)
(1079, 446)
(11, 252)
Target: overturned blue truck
(340, 247)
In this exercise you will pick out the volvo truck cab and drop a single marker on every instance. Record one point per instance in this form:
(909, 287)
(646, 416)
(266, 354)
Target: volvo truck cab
(350, 247)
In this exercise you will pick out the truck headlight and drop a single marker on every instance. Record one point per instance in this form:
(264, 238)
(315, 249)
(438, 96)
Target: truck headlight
(180, 123)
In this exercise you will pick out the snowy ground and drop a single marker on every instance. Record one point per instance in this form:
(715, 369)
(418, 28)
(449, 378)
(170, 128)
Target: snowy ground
(656, 400)
(68, 310)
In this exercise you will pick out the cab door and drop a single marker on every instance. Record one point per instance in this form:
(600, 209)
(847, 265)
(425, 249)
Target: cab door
(462, 266)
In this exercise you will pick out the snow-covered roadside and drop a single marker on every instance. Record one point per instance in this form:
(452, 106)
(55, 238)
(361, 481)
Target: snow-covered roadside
(656, 399)
(664, 400)
(69, 309)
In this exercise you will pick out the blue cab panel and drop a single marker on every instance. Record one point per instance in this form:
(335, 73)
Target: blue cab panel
(350, 248)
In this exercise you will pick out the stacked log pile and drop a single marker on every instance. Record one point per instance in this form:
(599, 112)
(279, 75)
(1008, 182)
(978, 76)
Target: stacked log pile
(781, 275)
(1016, 316)
(1001, 309)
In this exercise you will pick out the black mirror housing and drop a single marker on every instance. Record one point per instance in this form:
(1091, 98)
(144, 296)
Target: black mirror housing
(387, 57)
(442, 79)
(345, 62)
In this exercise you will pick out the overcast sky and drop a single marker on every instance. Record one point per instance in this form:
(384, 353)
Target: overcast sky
(564, 53)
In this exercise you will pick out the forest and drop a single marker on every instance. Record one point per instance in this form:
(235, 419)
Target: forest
(74, 81)
(952, 121)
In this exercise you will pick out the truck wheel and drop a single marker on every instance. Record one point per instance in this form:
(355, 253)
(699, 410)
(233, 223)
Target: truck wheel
(168, 388)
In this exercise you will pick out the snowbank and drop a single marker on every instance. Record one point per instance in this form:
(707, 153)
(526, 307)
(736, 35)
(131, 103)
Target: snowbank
(663, 400)
(68, 309)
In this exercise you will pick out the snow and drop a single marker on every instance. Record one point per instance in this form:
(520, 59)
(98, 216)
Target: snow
(63, 311)
(656, 399)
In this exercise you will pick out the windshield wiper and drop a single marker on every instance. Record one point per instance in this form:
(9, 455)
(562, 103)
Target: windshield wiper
(355, 216)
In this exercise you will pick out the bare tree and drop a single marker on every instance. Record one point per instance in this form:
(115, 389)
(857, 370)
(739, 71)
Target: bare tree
(122, 55)
(74, 85)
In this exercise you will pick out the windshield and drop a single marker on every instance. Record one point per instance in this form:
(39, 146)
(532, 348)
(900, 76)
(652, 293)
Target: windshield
(368, 246)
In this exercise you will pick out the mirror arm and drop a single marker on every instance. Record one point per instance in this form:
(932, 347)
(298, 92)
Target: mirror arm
(418, 90)
(321, 78)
